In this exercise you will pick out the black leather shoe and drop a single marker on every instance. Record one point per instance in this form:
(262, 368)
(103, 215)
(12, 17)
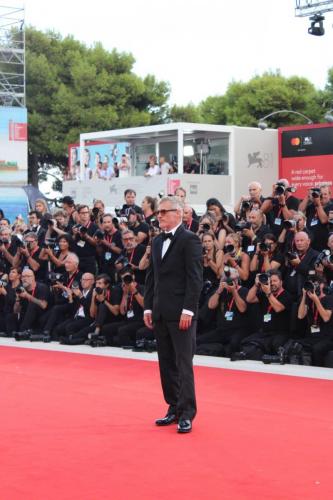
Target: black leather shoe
(238, 356)
(184, 426)
(170, 418)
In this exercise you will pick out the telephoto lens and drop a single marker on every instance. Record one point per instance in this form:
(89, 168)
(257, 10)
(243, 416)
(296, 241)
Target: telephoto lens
(99, 290)
(263, 278)
(127, 279)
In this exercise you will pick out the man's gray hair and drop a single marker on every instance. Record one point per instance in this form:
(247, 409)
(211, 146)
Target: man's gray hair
(31, 235)
(73, 256)
(175, 202)
(6, 229)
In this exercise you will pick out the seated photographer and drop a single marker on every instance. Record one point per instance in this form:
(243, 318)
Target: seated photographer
(267, 256)
(316, 207)
(3, 294)
(275, 304)
(139, 228)
(34, 225)
(69, 331)
(64, 305)
(28, 255)
(123, 333)
(232, 319)
(8, 286)
(317, 308)
(84, 242)
(246, 203)
(56, 252)
(31, 302)
(189, 222)
(298, 265)
(280, 206)
(131, 255)
(235, 257)
(289, 229)
(108, 245)
(8, 247)
(104, 308)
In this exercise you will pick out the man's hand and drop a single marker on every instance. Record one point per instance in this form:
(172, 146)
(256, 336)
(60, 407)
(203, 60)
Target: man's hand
(148, 320)
(295, 262)
(314, 297)
(266, 288)
(185, 322)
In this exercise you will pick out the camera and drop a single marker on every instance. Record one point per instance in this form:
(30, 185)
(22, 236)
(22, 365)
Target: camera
(264, 247)
(122, 260)
(3, 282)
(229, 249)
(83, 230)
(240, 226)
(263, 278)
(291, 255)
(75, 285)
(281, 189)
(289, 224)
(99, 235)
(313, 287)
(97, 341)
(50, 243)
(315, 192)
(245, 206)
(99, 290)
(227, 274)
(55, 277)
(4, 241)
(205, 227)
(206, 287)
(280, 358)
(20, 289)
(324, 255)
(127, 279)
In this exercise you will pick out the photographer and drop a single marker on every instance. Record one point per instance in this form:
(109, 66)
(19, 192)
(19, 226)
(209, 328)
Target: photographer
(212, 259)
(104, 309)
(130, 197)
(64, 299)
(224, 219)
(280, 206)
(108, 245)
(317, 308)
(208, 222)
(68, 207)
(235, 257)
(8, 297)
(246, 203)
(28, 255)
(56, 226)
(267, 256)
(148, 207)
(132, 254)
(298, 264)
(84, 242)
(275, 304)
(56, 252)
(123, 333)
(140, 229)
(189, 223)
(316, 207)
(34, 225)
(290, 228)
(253, 231)
(30, 306)
(8, 247)
(324, 262)
(229, 300)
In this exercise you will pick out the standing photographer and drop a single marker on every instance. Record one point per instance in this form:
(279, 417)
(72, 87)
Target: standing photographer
(317, 206)
(108, 245)
(317, 308)
(246, 203)
(84, 242)
(8, 293)
(280, 206)
(290, 228)
(267, 257)
(8, 247)
(56, 252)
(139, 228)
(132, 255)
(28, 255)
(235, 257)
(275, 304)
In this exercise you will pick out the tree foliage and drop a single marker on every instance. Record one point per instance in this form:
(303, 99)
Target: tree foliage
(72, 88)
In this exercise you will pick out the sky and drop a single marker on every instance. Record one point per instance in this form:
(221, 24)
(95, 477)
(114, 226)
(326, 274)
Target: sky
(199, 46)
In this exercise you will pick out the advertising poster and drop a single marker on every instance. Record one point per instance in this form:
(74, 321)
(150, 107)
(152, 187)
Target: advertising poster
(13, 146)
(306, 156)
(101, 160)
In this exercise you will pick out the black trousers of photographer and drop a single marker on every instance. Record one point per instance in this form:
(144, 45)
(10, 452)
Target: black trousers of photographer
(230, 338)
(122, 333)
(319, 345)
(71, 326)
(260, 343)
(32, 318)
(56, 315)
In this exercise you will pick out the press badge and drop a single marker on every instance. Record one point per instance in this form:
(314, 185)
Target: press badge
(267, 318)
(65, 294)
(314, 222)
(81, 243)
(229, 315)
(250, 248)
(278, 221)
(293, 273)
(315, 329)
(130, 313)
(108, 255)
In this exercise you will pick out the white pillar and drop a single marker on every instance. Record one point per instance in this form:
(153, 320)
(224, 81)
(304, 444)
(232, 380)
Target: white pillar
(82, 145)
(157, 152)
(180, 152)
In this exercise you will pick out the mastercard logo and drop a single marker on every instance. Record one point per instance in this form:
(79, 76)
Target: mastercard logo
(295, 141)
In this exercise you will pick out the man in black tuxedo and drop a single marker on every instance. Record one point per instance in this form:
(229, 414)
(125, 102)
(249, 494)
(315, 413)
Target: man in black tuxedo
(172, 290)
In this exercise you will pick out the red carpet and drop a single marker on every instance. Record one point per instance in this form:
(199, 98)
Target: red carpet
(81, 427)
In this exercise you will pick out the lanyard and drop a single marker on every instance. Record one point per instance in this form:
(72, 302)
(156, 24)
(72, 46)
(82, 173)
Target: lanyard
(131, 257)
(270, 307)
(33, 291)
(189, 226)
(231, 303)
(109, 238)
(315, 314)
(69, 284)
(130, 302)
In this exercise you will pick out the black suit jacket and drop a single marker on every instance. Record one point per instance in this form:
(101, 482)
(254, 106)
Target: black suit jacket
(174, 283)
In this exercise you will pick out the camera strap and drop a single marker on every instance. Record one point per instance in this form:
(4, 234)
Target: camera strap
(315, 313)
(70, 282)
(270, 307)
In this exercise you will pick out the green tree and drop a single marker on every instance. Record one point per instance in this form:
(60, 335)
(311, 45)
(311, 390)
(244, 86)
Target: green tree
(72, 88)
(189, 113)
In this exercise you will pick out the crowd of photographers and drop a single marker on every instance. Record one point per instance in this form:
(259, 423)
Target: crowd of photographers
(77, 275)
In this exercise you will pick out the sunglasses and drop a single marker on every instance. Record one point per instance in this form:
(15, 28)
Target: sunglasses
(165, 211)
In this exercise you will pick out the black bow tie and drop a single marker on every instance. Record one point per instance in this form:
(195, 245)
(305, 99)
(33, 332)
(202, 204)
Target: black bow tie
(167, 236)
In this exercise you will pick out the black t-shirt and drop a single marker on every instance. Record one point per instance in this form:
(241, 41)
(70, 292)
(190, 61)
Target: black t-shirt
(319, 230)
(276, 217)
(134, 310)
(40, 292)
(142, 228)
(272, 321)
(125, 207)
(106, 255)
(314, 318)
(41, 274)
(82, 247)
(228, 315)
(134, 256)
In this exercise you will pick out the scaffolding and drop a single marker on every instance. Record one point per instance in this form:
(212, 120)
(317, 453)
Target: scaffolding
(12, 56)
(307, 8)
